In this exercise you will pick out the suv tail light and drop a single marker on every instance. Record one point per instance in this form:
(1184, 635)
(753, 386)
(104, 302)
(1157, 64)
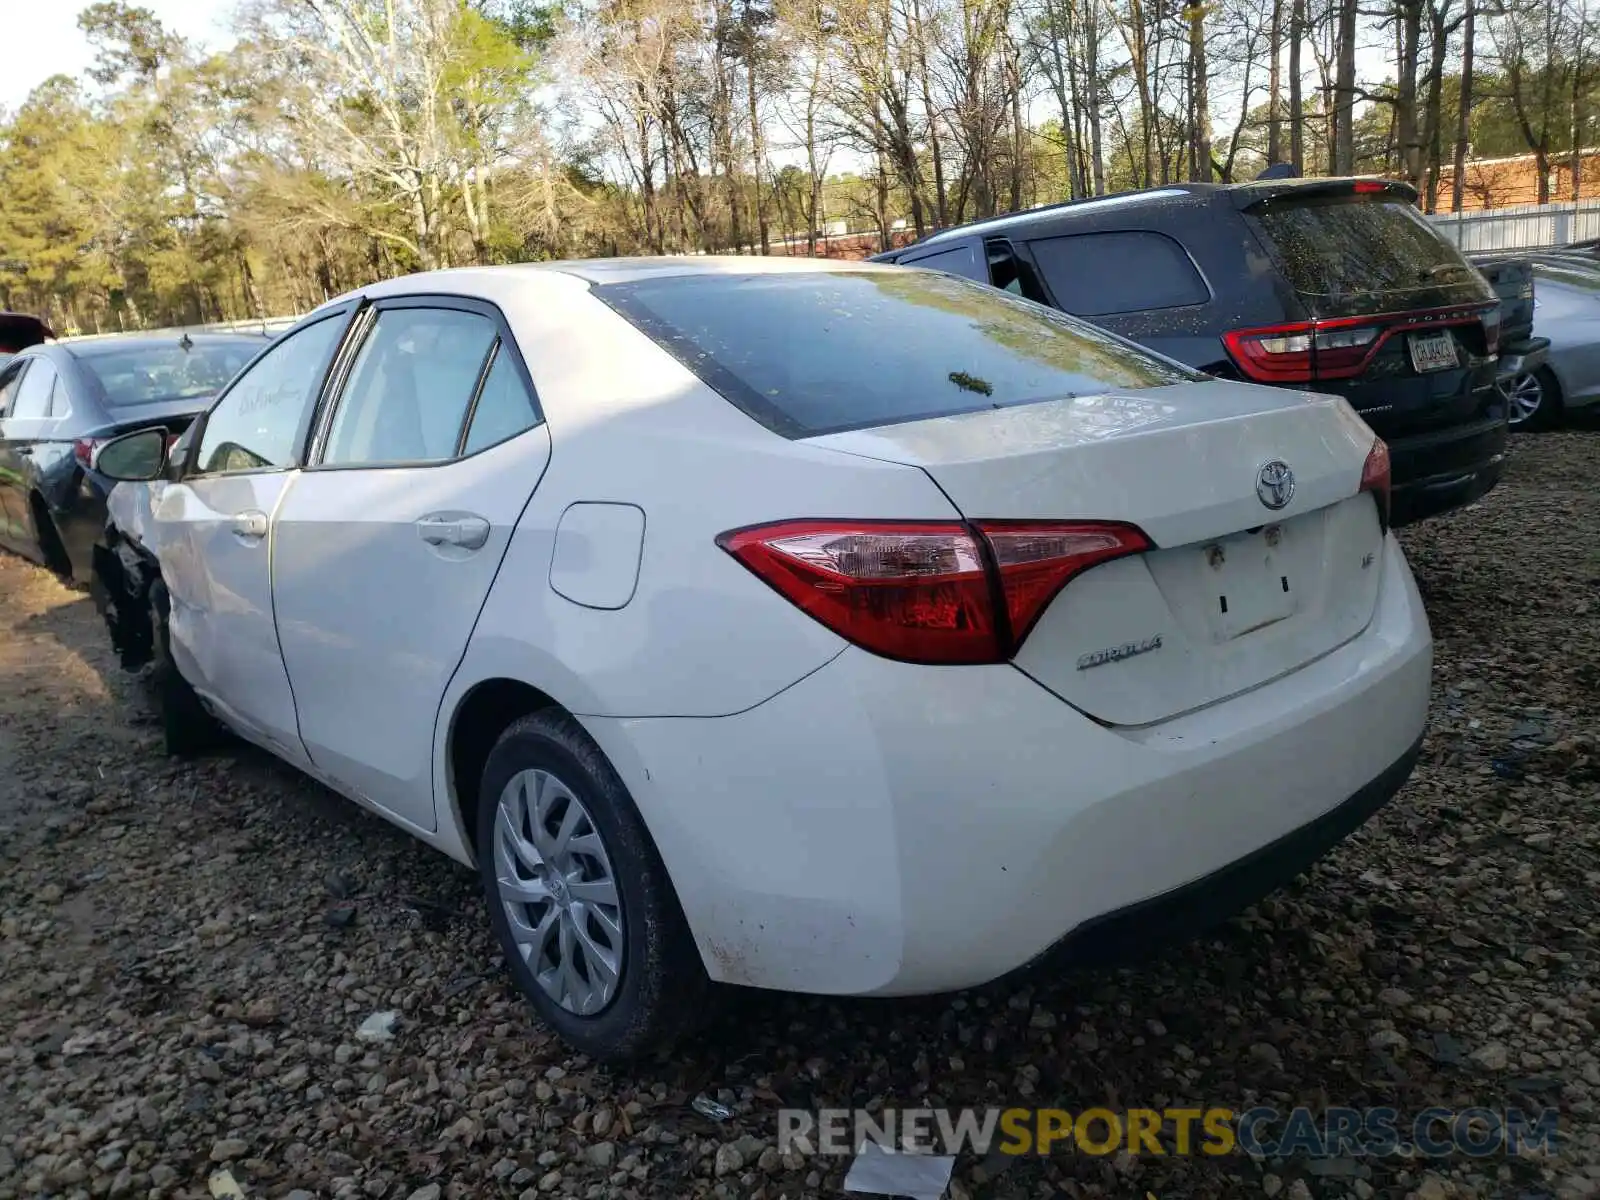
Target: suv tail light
(1301, 352)
(928, 591)
(1375, 478)
(1342, 347)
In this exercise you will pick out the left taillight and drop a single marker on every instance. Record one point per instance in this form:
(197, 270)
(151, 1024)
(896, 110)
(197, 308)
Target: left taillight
(83, 450)
(1301, 352)
(928, 592)
(1375, 478)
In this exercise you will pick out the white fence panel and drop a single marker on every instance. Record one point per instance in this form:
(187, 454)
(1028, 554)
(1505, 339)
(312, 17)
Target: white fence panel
(1524, 227)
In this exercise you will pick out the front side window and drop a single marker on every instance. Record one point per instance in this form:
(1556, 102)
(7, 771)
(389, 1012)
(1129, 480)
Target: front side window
(819, 352)
(962, 260)
(255, 426)
(410, 388)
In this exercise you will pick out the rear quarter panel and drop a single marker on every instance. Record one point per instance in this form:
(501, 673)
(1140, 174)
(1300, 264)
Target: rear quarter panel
(700, 636)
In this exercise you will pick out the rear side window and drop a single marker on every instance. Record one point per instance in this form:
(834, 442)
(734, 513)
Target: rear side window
(504, 408)
(1351, 256)
(32, 398)
(10, 381)
(161, 374)
(825, 351)
(1099, 274)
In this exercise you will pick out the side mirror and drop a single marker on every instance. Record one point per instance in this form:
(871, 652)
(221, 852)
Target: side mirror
(133, 457)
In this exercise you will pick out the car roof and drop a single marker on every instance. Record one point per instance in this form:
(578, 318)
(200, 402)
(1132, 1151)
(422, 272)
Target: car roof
(1241, 195)
(597, 272)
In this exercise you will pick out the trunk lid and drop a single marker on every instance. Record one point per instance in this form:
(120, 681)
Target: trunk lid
(1233, 595)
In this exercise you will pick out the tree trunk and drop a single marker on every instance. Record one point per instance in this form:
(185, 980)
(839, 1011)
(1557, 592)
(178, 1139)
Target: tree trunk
(1274, 85)
(941, 196)
(1019, 129)
(1464, 116)
(758, 148)
(1407, 131)
(1344, 145)
(1434, 111)
(1091, 82)
(1297, 112)
(1579, 90)
(1200, 95)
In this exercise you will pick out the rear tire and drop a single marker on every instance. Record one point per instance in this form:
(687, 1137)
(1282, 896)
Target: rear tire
(47, 537)
(187, 729)
(578, 896)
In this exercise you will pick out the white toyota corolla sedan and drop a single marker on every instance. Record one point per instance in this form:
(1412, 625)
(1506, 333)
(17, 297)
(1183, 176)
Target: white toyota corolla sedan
(832, 628)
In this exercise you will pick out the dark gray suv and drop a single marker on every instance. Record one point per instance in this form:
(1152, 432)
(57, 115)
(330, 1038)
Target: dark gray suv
(1329, 285)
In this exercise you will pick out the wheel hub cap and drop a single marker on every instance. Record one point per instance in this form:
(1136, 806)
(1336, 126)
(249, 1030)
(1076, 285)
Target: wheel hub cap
(1525, 394)
(559, 892)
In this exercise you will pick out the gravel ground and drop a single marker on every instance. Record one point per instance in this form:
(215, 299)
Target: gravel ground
(186, 951)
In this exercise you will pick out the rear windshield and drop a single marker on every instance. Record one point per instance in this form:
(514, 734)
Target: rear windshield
(820, 352)
(1350, 256)
(163, 373)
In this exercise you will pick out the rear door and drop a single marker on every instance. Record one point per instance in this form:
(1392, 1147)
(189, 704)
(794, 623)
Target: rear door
(210, 532)
(385, 549)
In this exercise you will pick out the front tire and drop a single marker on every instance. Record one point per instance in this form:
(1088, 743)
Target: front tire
(578, 897)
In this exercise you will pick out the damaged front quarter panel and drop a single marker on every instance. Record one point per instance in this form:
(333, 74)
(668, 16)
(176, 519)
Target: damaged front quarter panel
(123, 574)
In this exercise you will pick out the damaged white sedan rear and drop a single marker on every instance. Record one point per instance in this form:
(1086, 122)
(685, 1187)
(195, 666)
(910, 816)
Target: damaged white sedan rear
(838, 629)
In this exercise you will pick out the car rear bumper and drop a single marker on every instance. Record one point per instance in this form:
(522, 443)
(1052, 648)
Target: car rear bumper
(1445, 469)
(882, 828)
(1522, 357)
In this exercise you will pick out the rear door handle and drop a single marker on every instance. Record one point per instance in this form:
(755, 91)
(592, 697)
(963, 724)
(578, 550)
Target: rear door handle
(470, 533)
(251, 525)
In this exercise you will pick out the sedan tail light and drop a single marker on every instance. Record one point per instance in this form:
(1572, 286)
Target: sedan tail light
(1375, 478)
(928, 591)
(83, 450)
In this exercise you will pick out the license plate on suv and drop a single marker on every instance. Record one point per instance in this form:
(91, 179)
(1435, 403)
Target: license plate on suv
(1435, 351)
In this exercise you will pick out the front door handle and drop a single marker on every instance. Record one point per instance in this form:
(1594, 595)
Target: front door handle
(251, 525)
(470, 533)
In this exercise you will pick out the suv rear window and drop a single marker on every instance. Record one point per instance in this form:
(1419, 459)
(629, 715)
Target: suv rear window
(825, 351)
(157, 374)
(1351, 256)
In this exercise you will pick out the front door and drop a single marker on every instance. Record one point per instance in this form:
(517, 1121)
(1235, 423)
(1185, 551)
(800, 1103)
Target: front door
(211, 530)
(385, 548)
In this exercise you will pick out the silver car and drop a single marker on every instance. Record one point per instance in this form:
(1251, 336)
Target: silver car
(1567, 311)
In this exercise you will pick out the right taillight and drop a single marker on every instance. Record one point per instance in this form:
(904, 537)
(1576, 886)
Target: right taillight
(928, 592)
(1375, 478)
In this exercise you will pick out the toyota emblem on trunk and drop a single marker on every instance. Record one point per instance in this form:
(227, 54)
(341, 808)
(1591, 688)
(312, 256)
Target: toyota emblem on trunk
(1275, 484)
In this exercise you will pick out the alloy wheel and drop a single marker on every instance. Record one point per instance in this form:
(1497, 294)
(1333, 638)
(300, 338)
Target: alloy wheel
(559, 892)
(1524, 393)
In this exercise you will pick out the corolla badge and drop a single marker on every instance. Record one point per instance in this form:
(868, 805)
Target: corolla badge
(1112, 654)
(1275, 484)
